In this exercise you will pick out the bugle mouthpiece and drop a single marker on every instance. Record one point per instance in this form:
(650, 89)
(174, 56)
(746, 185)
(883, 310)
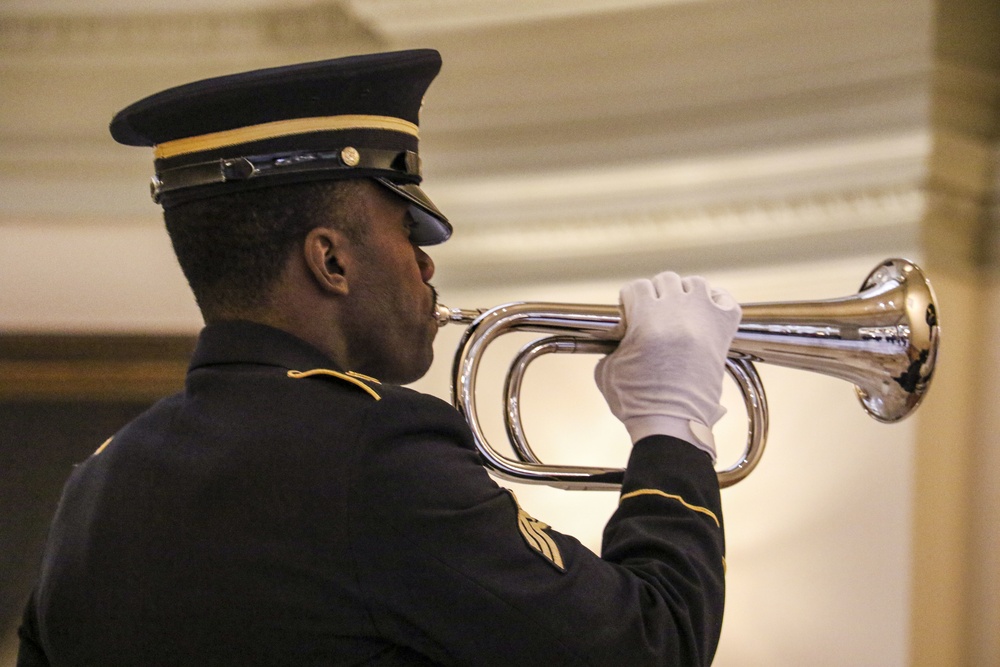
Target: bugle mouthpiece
(445, 315)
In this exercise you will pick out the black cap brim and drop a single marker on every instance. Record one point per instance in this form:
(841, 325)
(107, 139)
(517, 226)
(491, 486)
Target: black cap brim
(430, 225)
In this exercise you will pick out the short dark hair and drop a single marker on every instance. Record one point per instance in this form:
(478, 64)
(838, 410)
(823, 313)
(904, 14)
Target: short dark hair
(233, 247)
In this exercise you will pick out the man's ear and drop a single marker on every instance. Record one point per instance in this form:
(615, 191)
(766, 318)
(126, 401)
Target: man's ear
(322, 250)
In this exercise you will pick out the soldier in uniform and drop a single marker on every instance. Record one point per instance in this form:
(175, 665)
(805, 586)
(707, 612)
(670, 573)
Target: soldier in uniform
(295, 505)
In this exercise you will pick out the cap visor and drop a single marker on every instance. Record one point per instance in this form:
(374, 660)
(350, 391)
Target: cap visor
(430, 225)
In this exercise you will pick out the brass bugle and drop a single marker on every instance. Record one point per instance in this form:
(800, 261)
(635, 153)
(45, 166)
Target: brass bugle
(884, 340)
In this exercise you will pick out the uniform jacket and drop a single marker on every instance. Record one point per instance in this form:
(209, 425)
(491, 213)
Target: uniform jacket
(281, 511)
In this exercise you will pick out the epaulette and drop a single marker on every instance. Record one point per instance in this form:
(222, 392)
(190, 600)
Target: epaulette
(357, 379)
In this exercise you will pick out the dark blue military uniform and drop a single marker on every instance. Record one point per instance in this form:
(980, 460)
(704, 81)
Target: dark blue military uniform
(280, 511)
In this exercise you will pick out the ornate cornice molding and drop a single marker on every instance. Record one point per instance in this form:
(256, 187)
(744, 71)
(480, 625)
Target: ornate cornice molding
(829, 154)
(152, 36)
(751, 233)
(744, 209)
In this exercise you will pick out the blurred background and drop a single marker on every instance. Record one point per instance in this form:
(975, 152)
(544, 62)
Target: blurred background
(779, 147)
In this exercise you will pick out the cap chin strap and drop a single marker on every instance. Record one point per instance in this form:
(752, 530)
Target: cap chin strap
(227, 170)
(430, 225)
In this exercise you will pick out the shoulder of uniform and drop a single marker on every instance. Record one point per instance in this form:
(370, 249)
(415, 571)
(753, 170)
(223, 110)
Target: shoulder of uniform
(368, 384)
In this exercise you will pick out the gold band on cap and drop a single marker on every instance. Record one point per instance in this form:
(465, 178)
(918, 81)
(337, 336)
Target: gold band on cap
(280, 128)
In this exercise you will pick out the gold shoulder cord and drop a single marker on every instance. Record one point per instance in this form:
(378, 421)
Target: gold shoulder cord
(357, 379)
(101, 448)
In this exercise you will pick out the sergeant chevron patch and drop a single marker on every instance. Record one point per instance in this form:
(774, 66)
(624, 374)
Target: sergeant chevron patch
(533, 532)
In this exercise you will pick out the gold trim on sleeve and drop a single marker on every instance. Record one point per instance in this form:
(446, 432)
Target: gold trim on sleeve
(657, 492)
(281, 128)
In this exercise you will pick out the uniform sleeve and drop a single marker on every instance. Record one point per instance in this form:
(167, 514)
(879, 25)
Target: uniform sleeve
(454, 570)
(30, 653)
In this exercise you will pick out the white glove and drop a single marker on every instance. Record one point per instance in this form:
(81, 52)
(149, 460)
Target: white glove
(665, 378)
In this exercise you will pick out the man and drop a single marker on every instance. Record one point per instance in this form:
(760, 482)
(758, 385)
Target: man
(289, 508)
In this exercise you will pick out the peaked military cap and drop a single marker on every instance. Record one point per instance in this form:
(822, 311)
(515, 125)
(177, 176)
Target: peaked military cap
(353, 117)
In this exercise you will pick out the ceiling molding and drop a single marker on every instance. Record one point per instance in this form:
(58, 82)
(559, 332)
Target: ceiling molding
(563, 139)
(739, 178)
(241, 38)
(95, 181)
(409, 17)
(747, 234)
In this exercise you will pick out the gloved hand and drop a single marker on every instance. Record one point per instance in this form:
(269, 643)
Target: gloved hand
(666, 375)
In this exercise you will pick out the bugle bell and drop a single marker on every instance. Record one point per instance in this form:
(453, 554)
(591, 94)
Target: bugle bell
(883, 340)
